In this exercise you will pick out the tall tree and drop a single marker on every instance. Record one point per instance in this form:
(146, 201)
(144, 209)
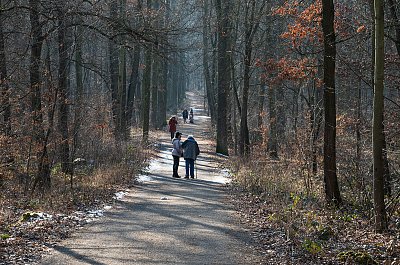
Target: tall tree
(146, 88)
(272, 140)
(393, 13)
(5, 108)
(122, 92)
(162, 112)
(206, 60)
(133, 86)
(156, 75)
(63, 115)
(78, 104)
(253, 13)
(114, 75)
(224, 77)
(117, 55)
(39, 138)
(332, 192)
(377, 130)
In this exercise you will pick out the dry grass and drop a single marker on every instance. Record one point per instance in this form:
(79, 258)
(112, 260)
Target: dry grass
(284, 204)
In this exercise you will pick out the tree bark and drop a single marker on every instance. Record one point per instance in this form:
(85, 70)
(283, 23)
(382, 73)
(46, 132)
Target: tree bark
(63, 69)
(377, 130)
(206, 62)
(223, 28)
(133, 95)
(272, 140)
(146, 89)
(118, 75)
(162, 113)
(146, 94)
(43, 170)
(5, 109)
(393, 14)
(244, 140)
(330, 178)
(78, 105)
(155, 74)
(133, 83)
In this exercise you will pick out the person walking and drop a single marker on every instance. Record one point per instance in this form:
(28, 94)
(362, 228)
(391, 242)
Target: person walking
(185, 115)
(191, 117)
(177, 152)
(172, 126)
(190, 152)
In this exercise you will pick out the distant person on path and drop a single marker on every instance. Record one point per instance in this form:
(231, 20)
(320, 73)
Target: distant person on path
(191, 120)
(190, 152)
(185, 115)
(177, 152)
(172, 126)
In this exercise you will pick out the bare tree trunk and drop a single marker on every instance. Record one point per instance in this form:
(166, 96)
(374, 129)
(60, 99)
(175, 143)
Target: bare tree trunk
(155, 81)
(223, 12)
(145, 113)
(261, 103)
(272, 140)
(113, 53)
(377, 130)
(5, 109)
(206, 62)
(133, 83)
(43, 171)
(155, 75)
(330, 178)
(393, 14)
(133, 93)
(162, 113)
(122, 93)
(63, 70)
(244, 140)
(251, 26)
(78, 105)
(117, 55)
(316, 123)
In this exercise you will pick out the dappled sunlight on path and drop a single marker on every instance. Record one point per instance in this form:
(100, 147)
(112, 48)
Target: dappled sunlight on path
(164, 220)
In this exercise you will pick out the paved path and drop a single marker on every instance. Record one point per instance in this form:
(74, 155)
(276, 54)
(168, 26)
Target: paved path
(166, 220)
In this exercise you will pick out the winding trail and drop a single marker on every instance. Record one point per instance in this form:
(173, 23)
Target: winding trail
(165, 220)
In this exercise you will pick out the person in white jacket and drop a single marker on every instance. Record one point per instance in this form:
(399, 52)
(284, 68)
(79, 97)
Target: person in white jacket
(177, 152)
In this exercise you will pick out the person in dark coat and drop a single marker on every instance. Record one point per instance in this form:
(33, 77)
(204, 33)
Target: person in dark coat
(190, 152)
(185, 115)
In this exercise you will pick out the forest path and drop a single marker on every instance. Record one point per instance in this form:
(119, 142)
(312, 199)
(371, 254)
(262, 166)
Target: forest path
(165, 220)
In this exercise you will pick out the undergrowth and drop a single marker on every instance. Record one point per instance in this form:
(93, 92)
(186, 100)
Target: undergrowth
(93, 183)
(280, 194)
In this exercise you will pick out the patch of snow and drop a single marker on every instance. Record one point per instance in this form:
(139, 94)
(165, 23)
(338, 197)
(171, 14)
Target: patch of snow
(95, 213)
(38, 216)
(223, 178)
(119, 195)
(143, 178)
(226, 173)
(107, 207)
(44, 216)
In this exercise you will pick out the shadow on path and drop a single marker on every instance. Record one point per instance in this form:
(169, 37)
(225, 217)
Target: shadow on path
(164, 220)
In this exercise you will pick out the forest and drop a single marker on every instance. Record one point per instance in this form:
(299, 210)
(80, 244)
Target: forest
(303, 97)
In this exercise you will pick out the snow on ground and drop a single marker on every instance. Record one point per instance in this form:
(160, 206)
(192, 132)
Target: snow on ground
(119, 195)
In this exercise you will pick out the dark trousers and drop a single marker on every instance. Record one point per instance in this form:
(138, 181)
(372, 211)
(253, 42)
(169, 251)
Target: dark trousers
(176, 166)
(189, 167)
(172, 135)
